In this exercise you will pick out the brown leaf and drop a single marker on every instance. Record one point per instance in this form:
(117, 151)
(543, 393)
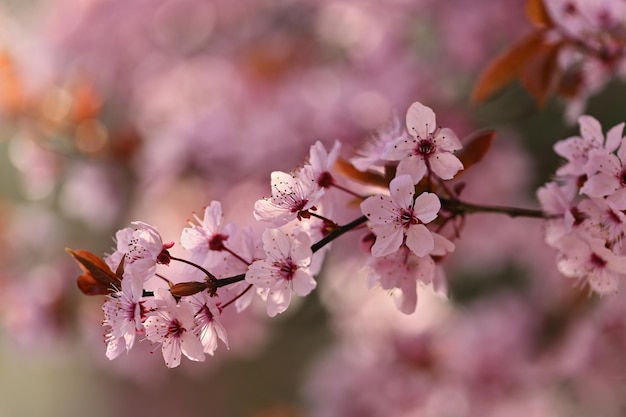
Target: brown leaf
(475, 147)
(188, 288)
(537, 13)
(346, 169)
(507, 66)
(97, 279)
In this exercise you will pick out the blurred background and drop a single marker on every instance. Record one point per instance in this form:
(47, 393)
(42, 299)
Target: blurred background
(113, 111)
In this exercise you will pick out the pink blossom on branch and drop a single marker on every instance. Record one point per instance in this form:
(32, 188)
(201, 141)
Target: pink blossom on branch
(141, 247)
(429, 149)
(292, 196)
(399, 219)
(123, 314)
(172, 325)
(285, 269)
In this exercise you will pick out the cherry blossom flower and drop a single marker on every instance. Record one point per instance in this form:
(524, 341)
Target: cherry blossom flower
(172, 325)
(429, 149)
(208, 327)
(609, 179)
(576, 149)
(142, 247)
(322, 163)
(588, 260)
(205, 239)
(399, 219)
(371, 152)
(400, 271)
(292, 196)
(556, 202)
(285, 269)
(123, 313)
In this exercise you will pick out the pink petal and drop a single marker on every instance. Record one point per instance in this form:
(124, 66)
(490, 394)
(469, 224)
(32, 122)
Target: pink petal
(591, 129)
(420, 120)
(600, 185)
(191, 347)
(427, 205)
(171, 352)
(445, 165)
(413, 166)
(614, 138)
(278, 299)
(379, 209)
(303, 283)
(388, 239)
(447, 140)
(419, 240)
(402, 190)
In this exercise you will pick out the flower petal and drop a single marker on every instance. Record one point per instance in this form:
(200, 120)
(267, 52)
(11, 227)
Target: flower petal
(420, 120)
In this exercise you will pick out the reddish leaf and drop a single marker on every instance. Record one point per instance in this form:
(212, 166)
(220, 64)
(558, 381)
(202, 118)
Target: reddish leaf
(12, 97)
(507, 66)
(188, 288)
(541, 74)
(537, 13)
(371, 178)
(87, 102)
(97, 279)
(475, 147)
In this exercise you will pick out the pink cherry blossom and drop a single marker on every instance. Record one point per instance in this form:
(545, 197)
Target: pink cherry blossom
(285, 269)
(142, 247)
(292, 195)
(205, 239)
(208, 326)
(588, 260)
(576, 149)
(123, 312)
(322, 163)
(429, 149)
(371, 152)
(608, 177)
(172, 325)
(399, 219)
(400, 271)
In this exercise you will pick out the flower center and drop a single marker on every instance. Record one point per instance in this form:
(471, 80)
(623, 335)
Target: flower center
(175, 328)
(286, 269)
(425, 147)
(325, 179)
(597, 261)
(407, 218)
(217, 242)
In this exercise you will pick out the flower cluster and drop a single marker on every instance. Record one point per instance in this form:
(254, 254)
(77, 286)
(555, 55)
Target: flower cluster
(586, 203)
(229, 266)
